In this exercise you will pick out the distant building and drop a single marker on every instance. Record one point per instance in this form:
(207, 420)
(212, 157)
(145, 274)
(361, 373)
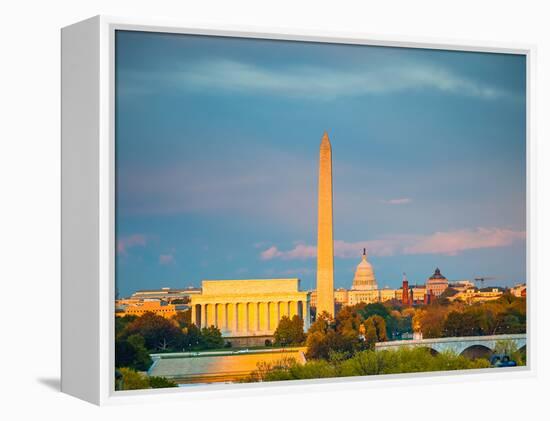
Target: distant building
(365, 289)
(474, 295)
(249, 308)
(166, 294)
(437, 283)
(364, 279)
(418, 291)
(406, 294)
(341, 296)
(151, 306)
(519, 290)
(461, 285)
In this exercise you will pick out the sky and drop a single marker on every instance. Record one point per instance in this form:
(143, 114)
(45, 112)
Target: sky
(217, 148)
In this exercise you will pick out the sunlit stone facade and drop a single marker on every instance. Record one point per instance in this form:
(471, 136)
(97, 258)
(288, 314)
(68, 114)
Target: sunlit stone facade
(437, 283)
(325, 242)
(251, 307)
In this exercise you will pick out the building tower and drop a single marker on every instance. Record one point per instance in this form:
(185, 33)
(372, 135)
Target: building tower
(325, 242)
(405, 294)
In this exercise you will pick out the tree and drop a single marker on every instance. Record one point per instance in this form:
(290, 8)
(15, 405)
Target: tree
(379, 309)
(453, 325)
(322, 323)
(158, 332)
(157, 382)
(122, 322)
(323, 338)
(131, 380)
(375, 309)
(430, 321)
(290, 331)
(191, 337)
(374, 331)
(317, 345)
(211, 338)
(370, 334)
(183, 318)
(131, 352)
(364, 363)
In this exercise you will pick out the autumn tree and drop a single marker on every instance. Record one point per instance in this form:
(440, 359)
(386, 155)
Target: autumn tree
(374, 329)
(290, 331)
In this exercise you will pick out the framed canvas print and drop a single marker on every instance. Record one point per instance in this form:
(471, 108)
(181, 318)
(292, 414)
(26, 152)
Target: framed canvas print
(244, 210)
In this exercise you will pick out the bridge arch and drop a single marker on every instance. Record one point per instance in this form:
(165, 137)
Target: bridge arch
(477, 351)
(468, 346)
(432, 350)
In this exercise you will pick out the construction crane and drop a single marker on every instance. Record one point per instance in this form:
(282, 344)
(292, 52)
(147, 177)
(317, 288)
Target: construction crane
(482, 279)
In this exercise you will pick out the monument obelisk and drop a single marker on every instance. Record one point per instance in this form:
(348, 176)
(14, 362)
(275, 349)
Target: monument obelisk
(325, 243)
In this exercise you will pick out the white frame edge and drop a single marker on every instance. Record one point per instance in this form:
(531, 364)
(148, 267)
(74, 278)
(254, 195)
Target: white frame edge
(88, 194)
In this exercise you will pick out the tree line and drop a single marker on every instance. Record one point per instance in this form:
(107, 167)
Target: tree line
(137, 337)
(365, 363)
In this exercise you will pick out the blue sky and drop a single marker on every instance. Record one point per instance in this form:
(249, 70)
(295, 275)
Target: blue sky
(217, 144)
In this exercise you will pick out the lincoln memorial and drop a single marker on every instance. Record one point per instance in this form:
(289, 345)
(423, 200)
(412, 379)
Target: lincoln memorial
(249, 308)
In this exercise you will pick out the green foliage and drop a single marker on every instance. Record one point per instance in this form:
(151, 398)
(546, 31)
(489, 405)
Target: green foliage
(131, 352)
(183, 318)
(375, 331)
(122, 322)
(210, 338)
(158, 332)
(191, 338)
(505, 347)
(348, 333)
(375, 309)
(130, 379)
(383, 311)
(136, 337)
(157, 382)
(367, 363)
(506, 315)
(290, 331)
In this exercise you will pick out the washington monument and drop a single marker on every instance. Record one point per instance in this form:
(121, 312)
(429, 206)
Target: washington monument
(325, 242)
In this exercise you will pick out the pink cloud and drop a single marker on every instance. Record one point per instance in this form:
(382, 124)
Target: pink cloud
(127, 242)
(452, 243)
(448, 243)
(300, 251)
(166, 259)
(399, 201)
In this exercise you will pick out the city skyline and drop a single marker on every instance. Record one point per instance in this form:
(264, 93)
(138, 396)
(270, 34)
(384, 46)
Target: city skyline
(217, 146)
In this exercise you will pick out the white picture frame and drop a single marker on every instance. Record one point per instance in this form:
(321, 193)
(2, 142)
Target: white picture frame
(88, 244)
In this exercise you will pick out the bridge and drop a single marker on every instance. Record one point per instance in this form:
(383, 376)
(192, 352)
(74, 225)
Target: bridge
(471, 346)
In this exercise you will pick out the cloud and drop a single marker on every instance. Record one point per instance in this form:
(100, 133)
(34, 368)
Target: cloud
(400, 201)
(300, 251)
(452, 243)
(312, 82)
(127, 242)
(448, 243)
(166, 259)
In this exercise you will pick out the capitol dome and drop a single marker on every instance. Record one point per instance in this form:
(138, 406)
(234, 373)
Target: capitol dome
(364, 279)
